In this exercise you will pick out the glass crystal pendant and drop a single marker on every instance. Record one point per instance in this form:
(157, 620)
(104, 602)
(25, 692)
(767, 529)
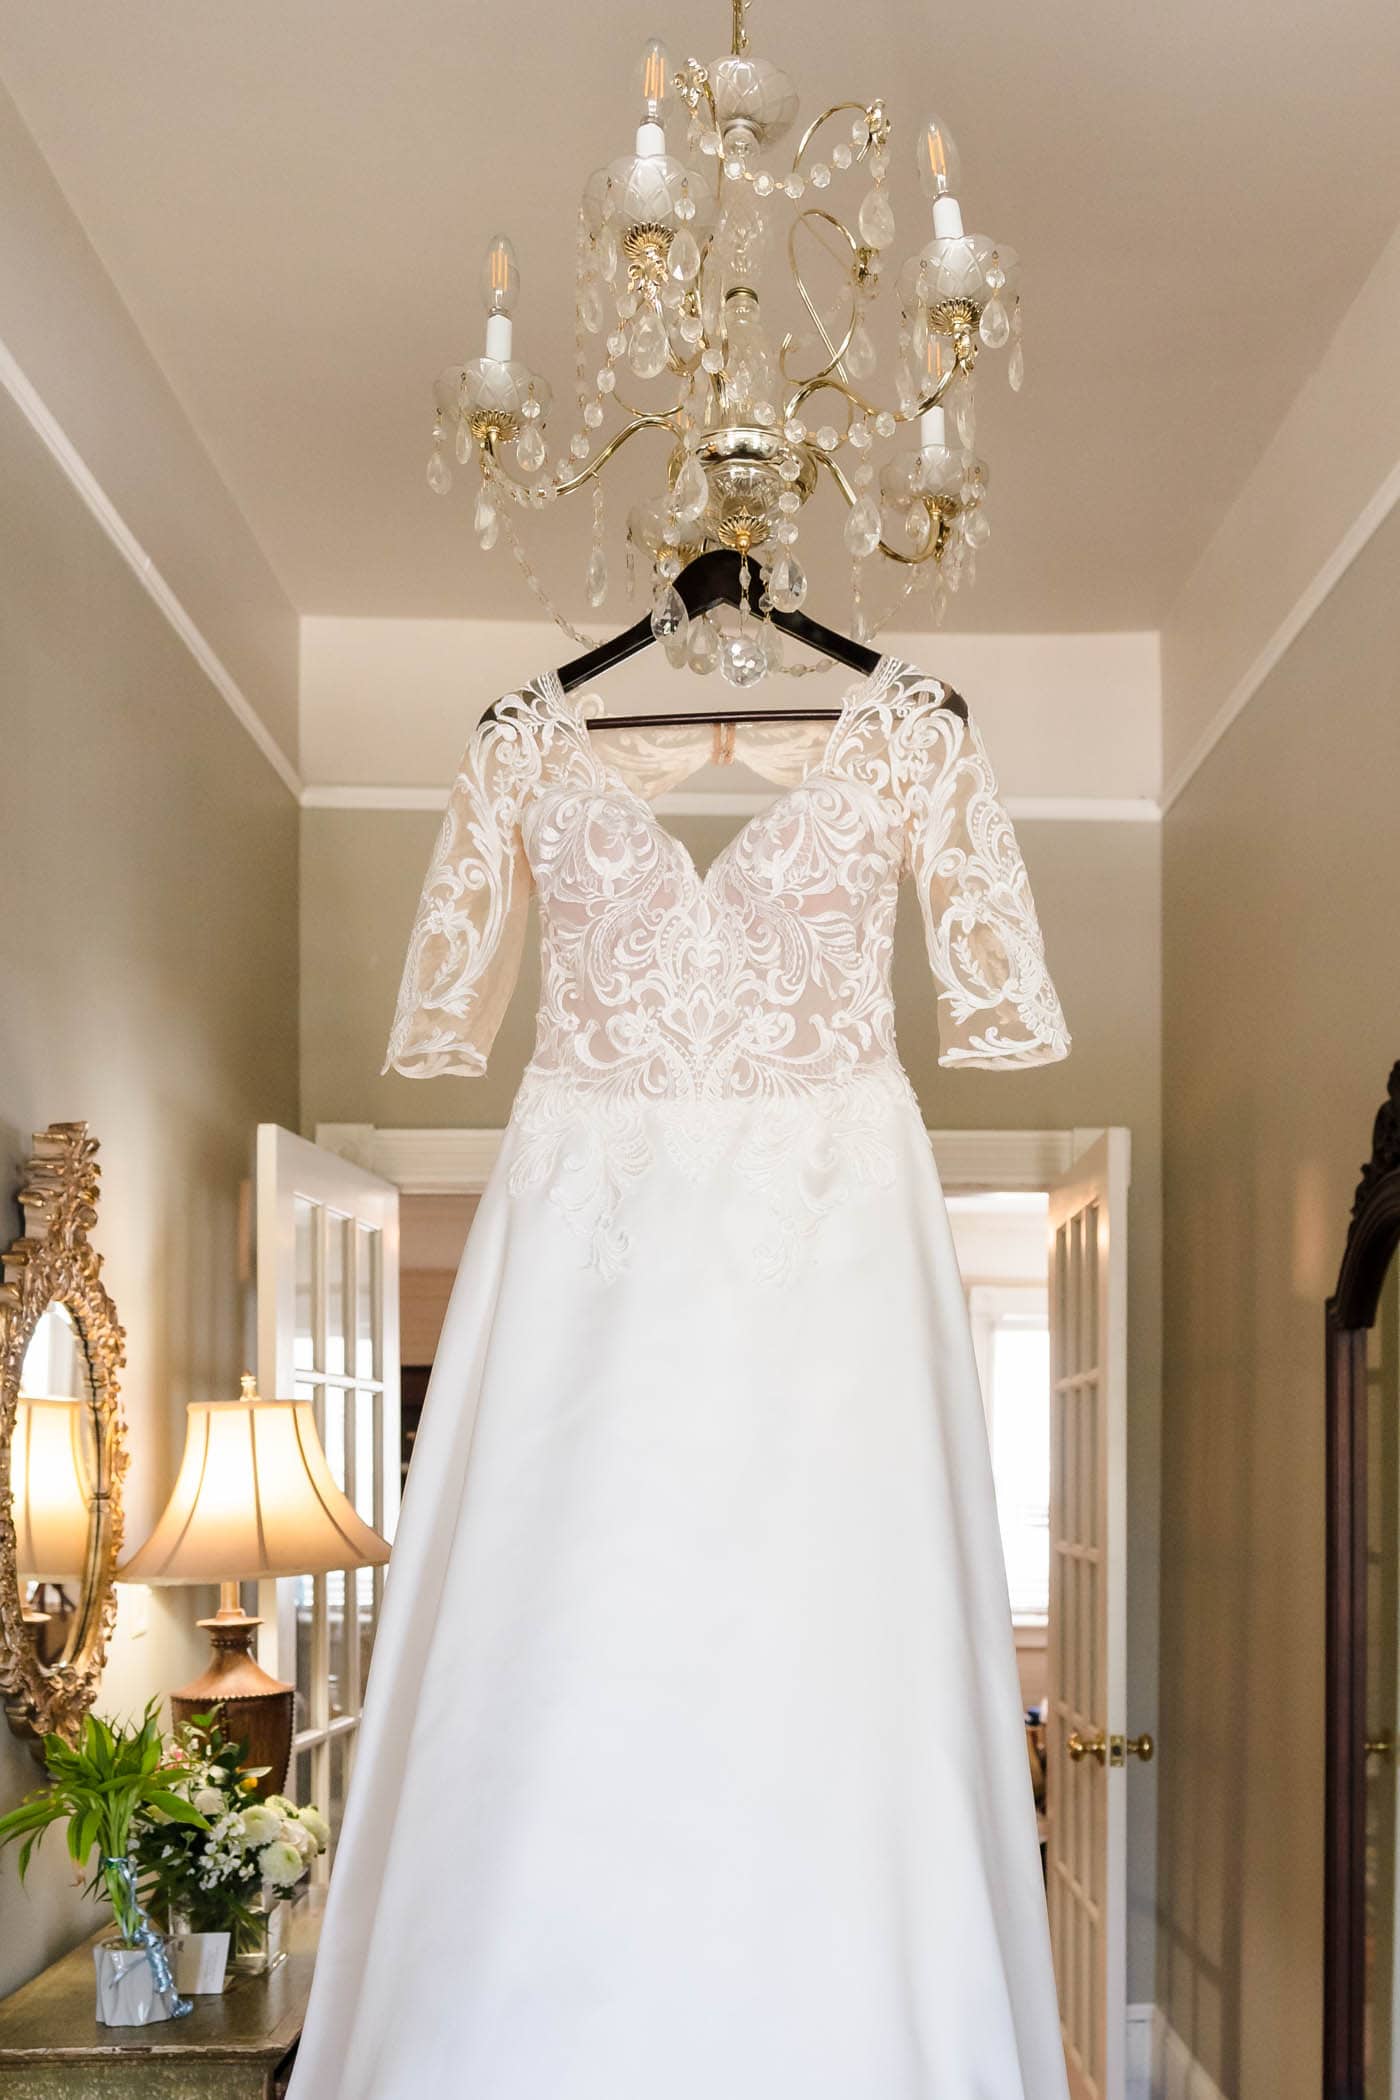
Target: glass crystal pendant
(702, 651)
(649, 348)
(595, 580)
(691, 492)
(668, 614)
(787, 583)
(863, 528)
(439, 473)
(741, 659)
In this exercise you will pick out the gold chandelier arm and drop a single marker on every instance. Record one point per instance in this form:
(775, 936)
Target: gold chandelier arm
(739, 42)
(642, 419)
(824, 382)
(835, 355)
(836, 110)
(908, 561)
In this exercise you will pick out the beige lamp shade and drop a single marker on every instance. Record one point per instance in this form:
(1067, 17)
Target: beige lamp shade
(254, 1497)
(48, 1485)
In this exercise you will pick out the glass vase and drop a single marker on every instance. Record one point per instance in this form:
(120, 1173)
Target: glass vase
(259, 1947)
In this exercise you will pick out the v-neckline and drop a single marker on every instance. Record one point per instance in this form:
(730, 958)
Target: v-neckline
(859, 696)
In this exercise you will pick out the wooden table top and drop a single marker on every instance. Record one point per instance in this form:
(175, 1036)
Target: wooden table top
(256, 2020)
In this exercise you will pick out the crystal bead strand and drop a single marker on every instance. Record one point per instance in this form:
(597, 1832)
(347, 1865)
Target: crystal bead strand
(596, 575)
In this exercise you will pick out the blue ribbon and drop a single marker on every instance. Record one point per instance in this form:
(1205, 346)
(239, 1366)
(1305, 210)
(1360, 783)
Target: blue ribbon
(146, 1936)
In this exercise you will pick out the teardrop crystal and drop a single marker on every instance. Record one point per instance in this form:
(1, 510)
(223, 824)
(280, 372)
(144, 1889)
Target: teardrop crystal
(529, 447)
(439, 473)
(787, 583)
(485, 515)
(648, 349)
(464, 443)
(596, 577)
(486, 539)
(668, 613)
(965, 416)
(741, 660)
(702, 651)
(691, 492)
(977, 528)
(917, 524)
(995, 324)
(860, 353)
(590, 306)
(876, 220)
(1016, 368)
(683, 262)
(863, 528)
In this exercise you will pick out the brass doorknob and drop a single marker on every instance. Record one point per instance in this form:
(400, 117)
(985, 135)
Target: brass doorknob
(1113, 1749)
(1381, 1745)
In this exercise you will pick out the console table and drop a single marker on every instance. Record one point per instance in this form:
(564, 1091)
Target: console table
(237, 2046)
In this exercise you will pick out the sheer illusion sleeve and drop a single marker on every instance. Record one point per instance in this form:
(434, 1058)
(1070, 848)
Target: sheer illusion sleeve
(996, 1005)
(464, 952)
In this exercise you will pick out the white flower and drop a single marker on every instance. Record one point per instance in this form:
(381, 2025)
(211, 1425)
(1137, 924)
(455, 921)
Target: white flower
(209, 1801)
(295, 1834)
(260, 1825)
(316, 1823)
(217, 1774)
(282, 1864)
(283, 1806)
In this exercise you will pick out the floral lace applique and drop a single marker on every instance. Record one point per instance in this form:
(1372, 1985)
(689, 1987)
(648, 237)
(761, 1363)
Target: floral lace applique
(670, 998)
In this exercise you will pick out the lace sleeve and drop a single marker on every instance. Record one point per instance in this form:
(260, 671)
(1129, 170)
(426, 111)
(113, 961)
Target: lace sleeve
(996, 1006)
(464, 951)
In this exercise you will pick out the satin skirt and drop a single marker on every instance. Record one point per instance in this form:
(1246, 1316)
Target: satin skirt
(692, 1765)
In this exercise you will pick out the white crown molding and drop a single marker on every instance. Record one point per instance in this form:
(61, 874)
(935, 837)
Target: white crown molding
(1353, 540)
(65, 454)
(459, 1162)
(1068, 809)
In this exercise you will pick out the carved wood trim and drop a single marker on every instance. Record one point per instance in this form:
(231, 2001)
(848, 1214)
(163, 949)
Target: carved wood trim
(1372, 1240)
(54, 1260)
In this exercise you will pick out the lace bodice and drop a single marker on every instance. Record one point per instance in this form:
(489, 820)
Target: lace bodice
(767, 978)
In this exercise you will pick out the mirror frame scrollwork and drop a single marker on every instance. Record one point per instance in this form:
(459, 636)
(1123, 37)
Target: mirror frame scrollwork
(52, 1262)
(1373, 1238)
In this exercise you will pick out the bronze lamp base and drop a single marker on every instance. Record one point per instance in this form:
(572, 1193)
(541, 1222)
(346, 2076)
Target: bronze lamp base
(254, 1709)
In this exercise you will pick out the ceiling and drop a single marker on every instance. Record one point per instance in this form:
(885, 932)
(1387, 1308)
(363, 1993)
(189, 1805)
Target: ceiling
(293, 199)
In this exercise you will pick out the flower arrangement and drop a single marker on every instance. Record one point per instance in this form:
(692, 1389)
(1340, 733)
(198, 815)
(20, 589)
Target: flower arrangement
(106, 1787)
(214, 1873)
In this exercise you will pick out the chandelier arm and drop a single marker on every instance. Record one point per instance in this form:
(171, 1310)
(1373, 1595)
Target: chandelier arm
(643, 419)
(836, 356)
(823, 382)
(907, 561)
(816, 124)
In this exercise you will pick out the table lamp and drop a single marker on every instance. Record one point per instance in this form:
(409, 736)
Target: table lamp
(254, 1498)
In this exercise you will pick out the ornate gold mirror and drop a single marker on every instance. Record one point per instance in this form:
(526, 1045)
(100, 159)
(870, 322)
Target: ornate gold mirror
(61, 1449)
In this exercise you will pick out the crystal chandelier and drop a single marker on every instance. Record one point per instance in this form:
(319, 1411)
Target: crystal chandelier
(672, 298)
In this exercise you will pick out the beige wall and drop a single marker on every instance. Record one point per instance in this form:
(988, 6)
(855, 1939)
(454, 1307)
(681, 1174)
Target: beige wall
(64, 324)
(1282, 1019)
(148, 984)
(1097, 886)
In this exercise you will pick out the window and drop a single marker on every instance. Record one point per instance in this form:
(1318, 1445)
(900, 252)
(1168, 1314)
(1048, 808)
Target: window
(1011, 1333)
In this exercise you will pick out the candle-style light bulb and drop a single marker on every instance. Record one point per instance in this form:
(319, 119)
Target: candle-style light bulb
(938, 361)
(500, 277)
(939, 168)
(656, 80)
(500, 288)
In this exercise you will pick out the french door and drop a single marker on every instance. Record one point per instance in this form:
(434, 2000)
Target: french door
(328, 1332)
(1088, 1746)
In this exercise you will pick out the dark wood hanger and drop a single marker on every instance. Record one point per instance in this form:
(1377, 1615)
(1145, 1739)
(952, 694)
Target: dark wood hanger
(713, 579)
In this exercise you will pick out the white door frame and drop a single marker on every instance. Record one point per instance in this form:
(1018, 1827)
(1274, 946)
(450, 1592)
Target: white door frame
(458, 1162)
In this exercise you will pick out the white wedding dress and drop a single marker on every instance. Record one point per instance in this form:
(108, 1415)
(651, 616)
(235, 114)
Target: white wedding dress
(692, 1766)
